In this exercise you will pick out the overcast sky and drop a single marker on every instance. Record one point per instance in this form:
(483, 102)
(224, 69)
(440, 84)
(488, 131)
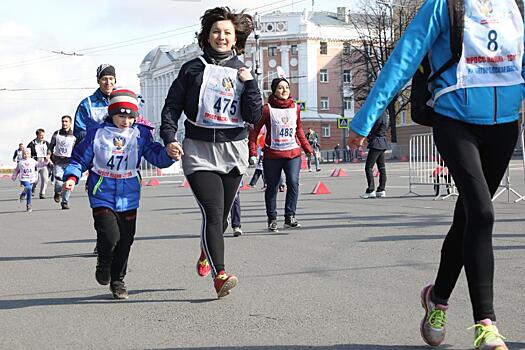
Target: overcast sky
(38, 84)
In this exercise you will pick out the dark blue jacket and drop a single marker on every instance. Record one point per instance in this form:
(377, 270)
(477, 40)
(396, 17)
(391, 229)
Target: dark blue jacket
(117, 194)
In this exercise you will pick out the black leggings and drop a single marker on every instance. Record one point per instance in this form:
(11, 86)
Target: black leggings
(375, 156)
(115, 235)
(214, 193)
(477, 157)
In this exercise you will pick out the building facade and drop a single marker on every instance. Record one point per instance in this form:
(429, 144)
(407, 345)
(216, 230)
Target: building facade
(310, 47)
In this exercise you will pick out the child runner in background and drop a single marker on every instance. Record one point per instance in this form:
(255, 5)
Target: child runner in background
(27, 170)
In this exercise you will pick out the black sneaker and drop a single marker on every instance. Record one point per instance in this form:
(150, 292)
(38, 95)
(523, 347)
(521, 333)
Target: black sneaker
(42, 196)
(291, 222)
(28, 208)
(272, 225)
(103, 273)
(118, 288)
(56, 197)
(65, 206)
(22, 196)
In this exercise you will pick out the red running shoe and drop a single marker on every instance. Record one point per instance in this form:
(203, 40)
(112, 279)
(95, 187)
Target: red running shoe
(223, 283)
(203, 267)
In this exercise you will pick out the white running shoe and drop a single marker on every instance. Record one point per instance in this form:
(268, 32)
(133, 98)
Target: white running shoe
(367, 195)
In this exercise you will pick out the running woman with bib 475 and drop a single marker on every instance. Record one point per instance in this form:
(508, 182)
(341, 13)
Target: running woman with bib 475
(218, 95)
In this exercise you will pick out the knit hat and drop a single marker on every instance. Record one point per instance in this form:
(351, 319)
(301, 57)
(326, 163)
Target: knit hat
(105, 69)
(123, 101)
(276, 82)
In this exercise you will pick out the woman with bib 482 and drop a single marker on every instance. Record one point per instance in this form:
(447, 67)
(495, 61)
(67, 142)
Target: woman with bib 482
(218, 95)
(282, 151)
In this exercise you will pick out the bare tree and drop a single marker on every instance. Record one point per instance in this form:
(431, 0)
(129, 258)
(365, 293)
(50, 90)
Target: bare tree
(379, 25)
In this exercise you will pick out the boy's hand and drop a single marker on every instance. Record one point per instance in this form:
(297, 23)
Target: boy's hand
(69, 185)
(174, 150)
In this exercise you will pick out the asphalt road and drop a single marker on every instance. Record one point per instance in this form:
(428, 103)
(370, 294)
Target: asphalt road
(350, 278)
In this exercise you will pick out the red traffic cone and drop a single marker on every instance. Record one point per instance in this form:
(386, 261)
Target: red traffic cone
(335, 172)
(355, 160)
(320, 188)
(403, 159)
(342, 172)
(153, 182)
(304, 164)
(244, 187)
(142, 182)
(185, 183)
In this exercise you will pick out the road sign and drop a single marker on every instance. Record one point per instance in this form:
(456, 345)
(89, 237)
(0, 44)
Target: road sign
(342, 123)
(302, 105)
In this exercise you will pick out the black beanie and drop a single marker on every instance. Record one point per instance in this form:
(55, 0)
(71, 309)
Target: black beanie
(105, 69)
(276, 82)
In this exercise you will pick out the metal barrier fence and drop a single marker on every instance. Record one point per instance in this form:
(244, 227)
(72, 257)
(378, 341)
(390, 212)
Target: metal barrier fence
(427, 168)
(148, 170)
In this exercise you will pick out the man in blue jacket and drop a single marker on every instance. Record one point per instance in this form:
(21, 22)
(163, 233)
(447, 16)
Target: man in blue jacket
(93, 109)
(476, 102)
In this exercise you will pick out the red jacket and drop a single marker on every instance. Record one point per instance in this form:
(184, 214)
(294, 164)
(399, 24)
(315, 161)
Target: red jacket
(270, 153)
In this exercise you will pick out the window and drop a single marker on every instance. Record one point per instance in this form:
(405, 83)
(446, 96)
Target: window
(325, 130)
(347, 76)
(271, 76)
(293, 50)
(348, 103)
(325, 104)
(272, 51)
(346, 48)
(294, 79)
(324, 48)
(323, 75)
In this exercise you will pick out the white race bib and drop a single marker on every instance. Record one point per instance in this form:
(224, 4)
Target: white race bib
(27, 169)
(98, 114)
(63, 146)
(492, 46)
(219, 98)
(116, 152)
(284, 126)
(41, 149)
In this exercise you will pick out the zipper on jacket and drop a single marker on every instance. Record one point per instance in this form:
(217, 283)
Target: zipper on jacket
(495, 106)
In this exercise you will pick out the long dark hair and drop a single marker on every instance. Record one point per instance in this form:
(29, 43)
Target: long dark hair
(242, 22)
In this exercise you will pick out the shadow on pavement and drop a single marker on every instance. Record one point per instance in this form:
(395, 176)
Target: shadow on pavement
(146, 238)
(46, 257)
(97, 299)
(511, 345)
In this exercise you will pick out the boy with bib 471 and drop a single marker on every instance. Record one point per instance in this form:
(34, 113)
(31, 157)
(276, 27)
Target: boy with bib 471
(112, 153)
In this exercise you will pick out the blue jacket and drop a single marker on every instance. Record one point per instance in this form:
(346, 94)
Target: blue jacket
(429, 32)
(117, 194)
(83, 119)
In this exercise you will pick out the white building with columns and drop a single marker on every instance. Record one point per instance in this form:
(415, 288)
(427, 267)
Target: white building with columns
(309, 46)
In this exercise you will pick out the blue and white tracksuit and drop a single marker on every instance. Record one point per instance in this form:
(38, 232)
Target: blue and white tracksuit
(117, 194)
(90, 114)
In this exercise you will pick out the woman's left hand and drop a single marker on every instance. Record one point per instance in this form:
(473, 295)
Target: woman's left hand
(245, 74)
